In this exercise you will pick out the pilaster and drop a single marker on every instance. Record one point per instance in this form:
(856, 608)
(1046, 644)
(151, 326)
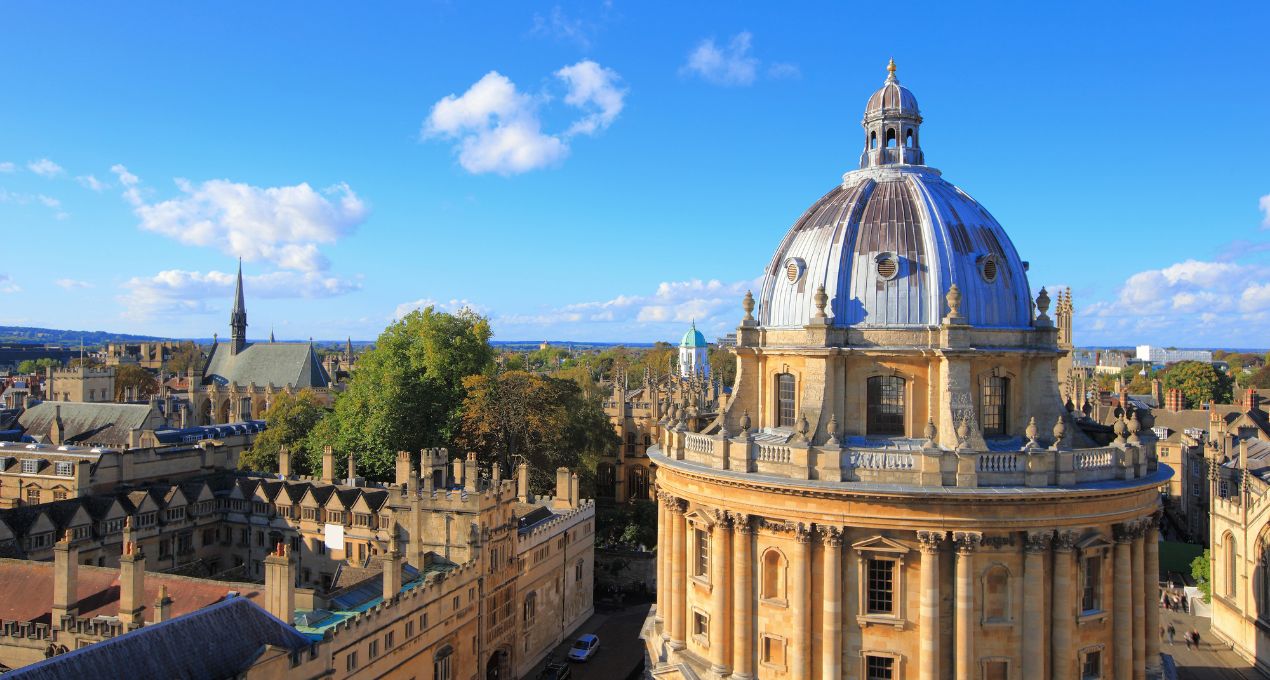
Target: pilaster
(932, 543)
(1034, 547)
(967, 542)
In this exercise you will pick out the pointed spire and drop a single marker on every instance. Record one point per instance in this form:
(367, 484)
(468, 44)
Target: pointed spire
(238, 317)
(271, 334)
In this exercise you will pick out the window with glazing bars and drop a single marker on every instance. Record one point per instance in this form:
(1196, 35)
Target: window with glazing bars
(885, 395)
(992, 408)
(879, 668)
(785, 400)
(881, 586)
(702, 564)
(1089, 600)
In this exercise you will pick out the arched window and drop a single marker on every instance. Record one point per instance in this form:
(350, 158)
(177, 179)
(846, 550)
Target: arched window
(908, 138)
(637, 482)
(773, 575)
(785, 403)
(441, 669)
(873, 140)
(531, 607)
(996, 594)
(885, 395)
(890, 138)
(604, 480)
(1232, 564)
(993, 404)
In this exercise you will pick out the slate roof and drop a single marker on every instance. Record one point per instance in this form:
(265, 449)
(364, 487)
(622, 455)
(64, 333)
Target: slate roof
(221, 641)
(280, 364)
(107, 424)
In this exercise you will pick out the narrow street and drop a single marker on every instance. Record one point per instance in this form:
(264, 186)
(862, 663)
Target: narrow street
(1212, 661)
(621, 650)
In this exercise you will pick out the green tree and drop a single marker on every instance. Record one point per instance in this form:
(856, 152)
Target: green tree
(1259, 379)
(1201, 571)
(1200, 382)
(187, 356)
(131, 377)
(723, 365)
(546, 420)
(37, 365)
(290, 418)
(407, 392)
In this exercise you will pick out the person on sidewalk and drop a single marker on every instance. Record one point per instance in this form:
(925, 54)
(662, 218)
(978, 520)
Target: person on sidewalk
(1172, 633)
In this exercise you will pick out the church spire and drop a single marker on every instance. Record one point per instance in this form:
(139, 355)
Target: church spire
(238, 317)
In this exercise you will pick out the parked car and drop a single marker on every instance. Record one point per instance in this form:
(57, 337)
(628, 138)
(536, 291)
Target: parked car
(584, 648)
(556, 671)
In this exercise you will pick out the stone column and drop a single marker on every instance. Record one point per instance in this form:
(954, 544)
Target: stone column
(678, 575)
(1122, 608)
(929, 656)
(1062, 656)
(964, 648)
(831, 595)
(1140, 632)
(1034, 548)
(743, 599)
(1151, 597)
(719, 545)
(663, 548)
(800, 605)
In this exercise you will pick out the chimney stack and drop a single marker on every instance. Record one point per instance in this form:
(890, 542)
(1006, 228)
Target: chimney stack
(522, 484)
(162, 606)
(392, 567)
(561, 501)
(132, 574)
(470, 475)
(426, 468)
(65, 578)
(575, 491)
(1157, 392)
(328, 464)
(284, 461)
(57, 432)
(352, 470)
(1252, 400)
(457, 467)
(280, 584)
(1173, 400)
(403, 468)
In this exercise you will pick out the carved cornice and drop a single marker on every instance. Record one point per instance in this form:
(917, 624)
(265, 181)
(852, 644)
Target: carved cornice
(830, 536)
(723, 519)
(998, 542)
(744, 523)
(1127, 532)
(931, 541)
(1065, 541)
(967, 542)
(802, 533)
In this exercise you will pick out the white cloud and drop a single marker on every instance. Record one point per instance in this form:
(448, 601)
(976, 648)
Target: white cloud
(45, 168)
(91, 182)
(282, 225)
(72, 284)
(188, 292)
(592, 86)
(731, 65)
(48, 201)
(563, 27)
(7, 284)
(1190, 302)
(663, 314)
(7, 166)
(782, 70)
(15, 198)
(1265, 208)
(449, 306)
(496, 128)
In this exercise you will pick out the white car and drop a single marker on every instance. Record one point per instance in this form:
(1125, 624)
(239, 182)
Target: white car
(584, 648)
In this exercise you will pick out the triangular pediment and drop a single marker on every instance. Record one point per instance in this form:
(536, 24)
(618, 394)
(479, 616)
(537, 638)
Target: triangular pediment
(699, 516)
(1094, 542)
(881, 544)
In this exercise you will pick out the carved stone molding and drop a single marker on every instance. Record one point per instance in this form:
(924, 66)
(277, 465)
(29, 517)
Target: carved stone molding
(1127, 532)
(802, 533)
(1037, 541)
(744, 523)
(998, 542)
(1065, 541)
(830, 536)
(722, 519)
(967, 541)
(931, 541)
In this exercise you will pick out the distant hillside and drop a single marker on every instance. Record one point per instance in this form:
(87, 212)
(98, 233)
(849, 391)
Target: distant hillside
(53, 336)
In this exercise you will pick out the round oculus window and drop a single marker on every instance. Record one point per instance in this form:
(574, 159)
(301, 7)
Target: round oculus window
(888, 266)
(988, 268)
(794, 267)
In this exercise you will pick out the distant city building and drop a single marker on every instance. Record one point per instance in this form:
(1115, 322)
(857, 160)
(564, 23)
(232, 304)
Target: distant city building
(894, 488)
(148, 355)
(81, 383)
(12, 355)
(1165, 355)
(726, 341)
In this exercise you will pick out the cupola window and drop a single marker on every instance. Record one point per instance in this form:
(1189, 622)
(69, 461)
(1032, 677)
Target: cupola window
(785, 400)
(794, 268)
(988, 268)
(888, 266)
(890, 138)
(885, 395)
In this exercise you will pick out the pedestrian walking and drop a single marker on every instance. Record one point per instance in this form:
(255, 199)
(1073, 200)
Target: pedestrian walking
(1168, 603)
(1196, 634)
(1172, 633)
(1188, 640)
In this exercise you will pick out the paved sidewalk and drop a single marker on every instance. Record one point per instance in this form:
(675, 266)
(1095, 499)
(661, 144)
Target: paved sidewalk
(621, 650)
(1212, 661)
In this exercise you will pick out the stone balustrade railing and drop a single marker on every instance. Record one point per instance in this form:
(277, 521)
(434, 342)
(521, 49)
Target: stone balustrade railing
(1030, 467)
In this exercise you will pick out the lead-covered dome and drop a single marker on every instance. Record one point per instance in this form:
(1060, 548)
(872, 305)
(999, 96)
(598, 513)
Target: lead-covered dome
(889, 242)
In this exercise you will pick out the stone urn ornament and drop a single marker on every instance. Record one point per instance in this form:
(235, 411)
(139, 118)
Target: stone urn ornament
(748, 305)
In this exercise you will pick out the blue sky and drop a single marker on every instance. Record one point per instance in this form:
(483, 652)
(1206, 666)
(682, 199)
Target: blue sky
(608, 171)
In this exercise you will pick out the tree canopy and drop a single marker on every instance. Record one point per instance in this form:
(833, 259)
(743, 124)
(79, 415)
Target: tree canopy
(406, 392)
(546, 420)
(187, 356)
(37, 365)
(1199, 381)
(136, 378)
(290, 418)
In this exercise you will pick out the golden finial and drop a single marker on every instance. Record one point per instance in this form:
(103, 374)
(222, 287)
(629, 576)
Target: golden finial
(891, 66)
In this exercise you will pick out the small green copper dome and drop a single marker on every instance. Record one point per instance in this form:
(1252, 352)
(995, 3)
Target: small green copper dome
(693, 338)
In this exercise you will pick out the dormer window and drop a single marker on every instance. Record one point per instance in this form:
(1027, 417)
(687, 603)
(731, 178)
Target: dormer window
(30, 466)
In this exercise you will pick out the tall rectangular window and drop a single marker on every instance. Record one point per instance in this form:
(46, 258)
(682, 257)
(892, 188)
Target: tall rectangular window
(880, 586)
(785, 400)
(1091, 667)
(885, 405)
(879, 668)
(1091, 593)
(701, 565)
(992, 408)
